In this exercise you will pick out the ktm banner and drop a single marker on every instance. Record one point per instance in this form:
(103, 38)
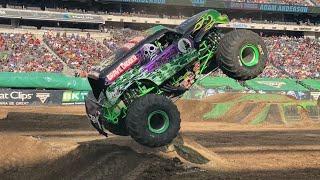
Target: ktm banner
(16, 97)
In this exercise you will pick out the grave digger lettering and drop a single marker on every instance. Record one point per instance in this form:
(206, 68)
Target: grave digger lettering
(124, 66)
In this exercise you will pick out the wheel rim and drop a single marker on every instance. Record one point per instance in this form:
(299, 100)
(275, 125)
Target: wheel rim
(249, 55)
(158, 122)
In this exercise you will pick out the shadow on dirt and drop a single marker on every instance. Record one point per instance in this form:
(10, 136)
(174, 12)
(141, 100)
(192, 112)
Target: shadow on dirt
(24, 122)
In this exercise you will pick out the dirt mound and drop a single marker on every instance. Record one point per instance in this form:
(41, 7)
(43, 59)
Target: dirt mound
(254, 152)
(193, 110)
(253, 113)
(232, 114)
(221, 98)
(189, 151)
(21, 152)
(29, 158)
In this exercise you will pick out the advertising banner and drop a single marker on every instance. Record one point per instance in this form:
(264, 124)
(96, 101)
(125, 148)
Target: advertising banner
(73, 97)
(284, 8)
(50, 16)
(16, 97)
(196, 3)
(228, 5)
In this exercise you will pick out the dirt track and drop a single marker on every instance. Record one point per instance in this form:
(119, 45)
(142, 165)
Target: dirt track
(58, 142)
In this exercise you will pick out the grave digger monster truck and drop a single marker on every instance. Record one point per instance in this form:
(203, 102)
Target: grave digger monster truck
(134, 94)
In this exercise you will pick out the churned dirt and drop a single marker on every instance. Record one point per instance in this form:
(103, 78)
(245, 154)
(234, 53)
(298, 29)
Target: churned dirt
(59, 143)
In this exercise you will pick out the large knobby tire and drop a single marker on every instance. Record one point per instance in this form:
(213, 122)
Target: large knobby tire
(153, 120)
(242, 54)
(117, 129)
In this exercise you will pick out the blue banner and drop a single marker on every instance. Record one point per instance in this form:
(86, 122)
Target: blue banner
(284, 8)
(268, 7)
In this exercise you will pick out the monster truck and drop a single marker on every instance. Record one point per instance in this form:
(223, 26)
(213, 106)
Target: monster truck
(134, 95)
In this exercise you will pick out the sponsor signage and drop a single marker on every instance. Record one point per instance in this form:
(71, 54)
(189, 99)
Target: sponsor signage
(315, 95)
(198, 2)
(13, 97)
(16, 97)
(50, 16)
(239, 5)
(274, 84)
(284, 8)
(74, 97)
(269, 7)
(229, 5)
(199, 92)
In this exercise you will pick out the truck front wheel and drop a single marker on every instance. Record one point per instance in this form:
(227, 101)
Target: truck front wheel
(242, 54)
(153, 120)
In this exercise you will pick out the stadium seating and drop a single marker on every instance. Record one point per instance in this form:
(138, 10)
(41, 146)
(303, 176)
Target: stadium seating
(25, 53)
(77, 51)
(289, 57)
(297, 57)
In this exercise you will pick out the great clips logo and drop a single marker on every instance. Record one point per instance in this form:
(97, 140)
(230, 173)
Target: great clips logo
(124, 66)
(15, 95)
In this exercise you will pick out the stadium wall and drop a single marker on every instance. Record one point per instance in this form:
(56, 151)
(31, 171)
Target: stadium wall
(55, 88)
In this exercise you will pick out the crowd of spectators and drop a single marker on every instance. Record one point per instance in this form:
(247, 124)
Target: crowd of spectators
(316, 2)
(26, 53)
(78, 52)
(119, 37)
(297, 57)
(293, 57)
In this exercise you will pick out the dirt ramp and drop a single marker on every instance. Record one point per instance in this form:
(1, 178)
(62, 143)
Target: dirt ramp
(221, 98)
(189, 151)
(30, 158)
(193, 110)
(19, 152)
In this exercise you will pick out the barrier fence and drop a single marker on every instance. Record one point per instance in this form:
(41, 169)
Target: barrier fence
(54, 88)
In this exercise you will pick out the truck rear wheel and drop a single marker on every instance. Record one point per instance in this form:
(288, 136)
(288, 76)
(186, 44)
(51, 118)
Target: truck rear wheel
(153, 120)
(242, 54)
(117, 129)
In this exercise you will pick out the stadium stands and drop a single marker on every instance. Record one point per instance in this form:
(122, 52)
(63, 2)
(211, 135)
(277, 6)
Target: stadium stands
(290, 57)
(316, 2)
(25, 53)
(297, 57)
(78, 52)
